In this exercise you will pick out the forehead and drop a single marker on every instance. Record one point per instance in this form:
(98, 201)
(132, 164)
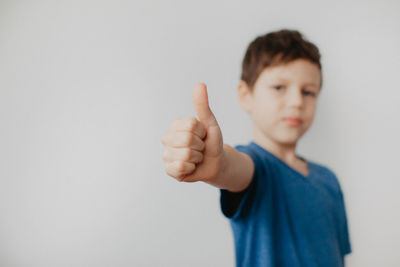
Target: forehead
(298, 71)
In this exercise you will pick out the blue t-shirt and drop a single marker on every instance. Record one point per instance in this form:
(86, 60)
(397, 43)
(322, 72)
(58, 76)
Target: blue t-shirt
(286, 219)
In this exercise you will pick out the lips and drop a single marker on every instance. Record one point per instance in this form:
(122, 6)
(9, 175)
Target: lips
(293, 121)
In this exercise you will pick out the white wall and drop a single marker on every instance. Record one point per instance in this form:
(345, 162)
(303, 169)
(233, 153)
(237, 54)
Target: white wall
(88, 88)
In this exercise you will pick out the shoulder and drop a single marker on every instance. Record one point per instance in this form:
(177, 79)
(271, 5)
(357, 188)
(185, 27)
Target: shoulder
(326, 176)
(257, 154)
(248, 148)
(322, 169)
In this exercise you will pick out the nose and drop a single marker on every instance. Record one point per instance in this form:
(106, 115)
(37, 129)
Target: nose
(294, 98)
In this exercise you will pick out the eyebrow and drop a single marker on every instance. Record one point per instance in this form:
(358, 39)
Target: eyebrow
(284, 80)
(311, 84)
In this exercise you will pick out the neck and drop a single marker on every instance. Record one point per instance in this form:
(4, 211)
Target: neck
(285, 152)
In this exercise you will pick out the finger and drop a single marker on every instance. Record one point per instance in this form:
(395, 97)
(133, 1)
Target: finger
(179, 169)
(201, 106)
(184, 154)
(203, 174)
(183, 139)
(189, 125)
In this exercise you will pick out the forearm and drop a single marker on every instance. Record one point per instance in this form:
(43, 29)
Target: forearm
(236, 171)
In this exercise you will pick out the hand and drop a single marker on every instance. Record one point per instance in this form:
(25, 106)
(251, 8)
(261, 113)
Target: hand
(193, 149)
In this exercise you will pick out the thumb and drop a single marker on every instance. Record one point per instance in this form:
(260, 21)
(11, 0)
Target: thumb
(202, 109)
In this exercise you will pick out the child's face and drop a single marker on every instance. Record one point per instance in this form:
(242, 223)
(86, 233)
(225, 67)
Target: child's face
(283, 101)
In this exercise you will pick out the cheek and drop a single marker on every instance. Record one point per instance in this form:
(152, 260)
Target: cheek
(268, 104)
(268, 112)
(309, 114)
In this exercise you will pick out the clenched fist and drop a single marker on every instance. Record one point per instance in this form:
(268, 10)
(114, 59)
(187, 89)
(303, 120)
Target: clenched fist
(193, 148)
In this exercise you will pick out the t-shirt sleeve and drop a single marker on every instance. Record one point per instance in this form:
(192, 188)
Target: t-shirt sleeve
(235, 204)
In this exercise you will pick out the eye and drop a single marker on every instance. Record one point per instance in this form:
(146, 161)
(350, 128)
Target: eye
(308, 93)
(279, 87)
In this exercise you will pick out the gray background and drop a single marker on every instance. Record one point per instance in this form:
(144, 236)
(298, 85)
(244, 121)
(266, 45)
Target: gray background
(87, 88)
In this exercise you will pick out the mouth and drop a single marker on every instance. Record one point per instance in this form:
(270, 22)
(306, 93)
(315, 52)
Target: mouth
(293, 121)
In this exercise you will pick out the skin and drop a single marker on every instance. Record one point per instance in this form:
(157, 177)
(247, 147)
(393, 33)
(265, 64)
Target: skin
(283, 91)
(281, 105)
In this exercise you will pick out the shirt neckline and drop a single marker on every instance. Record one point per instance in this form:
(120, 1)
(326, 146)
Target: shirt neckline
(309, 164)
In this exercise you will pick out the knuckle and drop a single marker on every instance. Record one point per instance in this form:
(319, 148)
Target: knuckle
(180, 166)
(191, 123)
(172, 174)
(188, 154)
(188, 139)
(168, 170)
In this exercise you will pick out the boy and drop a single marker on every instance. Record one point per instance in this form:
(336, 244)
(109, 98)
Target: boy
(284, 210)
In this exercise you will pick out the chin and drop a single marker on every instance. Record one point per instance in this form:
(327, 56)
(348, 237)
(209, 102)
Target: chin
(289, 142)
(289, 139)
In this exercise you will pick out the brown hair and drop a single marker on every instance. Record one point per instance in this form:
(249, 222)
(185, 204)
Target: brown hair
(276, 48)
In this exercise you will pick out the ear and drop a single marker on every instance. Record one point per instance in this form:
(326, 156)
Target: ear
(245, 96)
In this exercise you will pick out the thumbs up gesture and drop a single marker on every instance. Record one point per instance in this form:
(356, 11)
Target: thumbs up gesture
(193, 148)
